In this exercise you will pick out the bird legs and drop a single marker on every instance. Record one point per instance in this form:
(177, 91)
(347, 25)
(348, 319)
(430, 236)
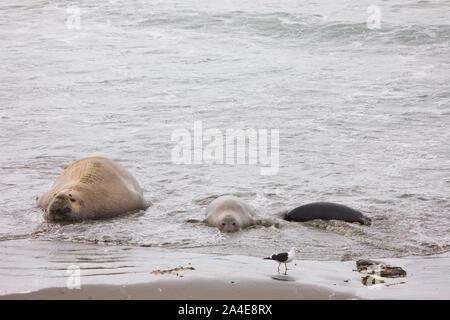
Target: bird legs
(285, 268)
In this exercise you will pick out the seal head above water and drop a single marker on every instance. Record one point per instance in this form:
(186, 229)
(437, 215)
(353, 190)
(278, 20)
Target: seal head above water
(230, 214)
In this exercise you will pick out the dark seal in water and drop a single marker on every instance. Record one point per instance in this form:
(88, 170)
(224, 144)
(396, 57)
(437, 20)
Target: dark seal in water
(327, 211)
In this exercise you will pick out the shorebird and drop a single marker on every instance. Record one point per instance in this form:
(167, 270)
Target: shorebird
(284, 257)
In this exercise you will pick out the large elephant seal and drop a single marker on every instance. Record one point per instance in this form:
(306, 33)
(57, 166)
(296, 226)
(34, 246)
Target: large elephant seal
(230, 214)
(326, 211)
(92, 188)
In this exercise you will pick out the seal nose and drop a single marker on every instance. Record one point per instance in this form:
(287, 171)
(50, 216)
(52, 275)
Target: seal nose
(61, 197)
(59, 209)
(56, 210)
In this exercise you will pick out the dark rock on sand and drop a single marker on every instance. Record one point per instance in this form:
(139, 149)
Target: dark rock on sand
(376, 268)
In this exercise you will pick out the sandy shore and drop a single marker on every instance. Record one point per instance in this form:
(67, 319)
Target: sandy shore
(47, 270)
(199, 289)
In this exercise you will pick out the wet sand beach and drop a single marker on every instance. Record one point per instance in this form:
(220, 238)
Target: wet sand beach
(39, 270)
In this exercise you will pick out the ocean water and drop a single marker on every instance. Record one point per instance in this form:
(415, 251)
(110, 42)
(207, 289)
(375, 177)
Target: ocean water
(363, 113)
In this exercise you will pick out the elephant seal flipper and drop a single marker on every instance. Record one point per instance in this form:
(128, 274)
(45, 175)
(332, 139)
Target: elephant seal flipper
(92, 188)
(195, 221)
(267, 223)
(326, 211)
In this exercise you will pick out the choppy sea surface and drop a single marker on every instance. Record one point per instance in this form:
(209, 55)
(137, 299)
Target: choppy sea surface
(363, 117)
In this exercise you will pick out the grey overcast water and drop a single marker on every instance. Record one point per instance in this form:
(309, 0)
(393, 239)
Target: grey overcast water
(363, 117)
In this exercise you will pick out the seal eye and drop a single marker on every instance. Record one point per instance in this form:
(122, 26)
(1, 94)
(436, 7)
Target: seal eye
(234, 223)
(72, 200)
(223, 223)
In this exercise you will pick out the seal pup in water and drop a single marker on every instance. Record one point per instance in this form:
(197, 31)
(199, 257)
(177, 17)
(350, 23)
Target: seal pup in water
(230, 214)
(92, 188)
(326, 211)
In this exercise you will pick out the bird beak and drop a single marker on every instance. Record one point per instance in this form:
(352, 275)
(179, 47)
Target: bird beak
(298, 251)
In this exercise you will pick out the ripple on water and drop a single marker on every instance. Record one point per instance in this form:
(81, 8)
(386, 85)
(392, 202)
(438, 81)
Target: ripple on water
(362, 116)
